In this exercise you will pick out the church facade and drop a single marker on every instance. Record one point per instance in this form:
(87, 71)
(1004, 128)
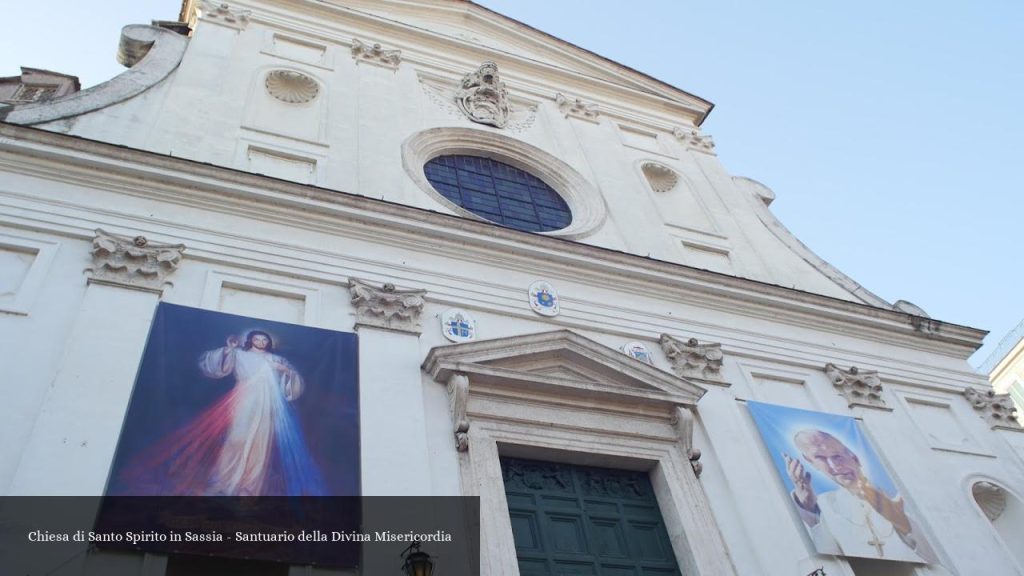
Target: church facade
(564, 303)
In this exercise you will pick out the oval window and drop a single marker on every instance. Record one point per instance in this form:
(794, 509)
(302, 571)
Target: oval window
(498, 192)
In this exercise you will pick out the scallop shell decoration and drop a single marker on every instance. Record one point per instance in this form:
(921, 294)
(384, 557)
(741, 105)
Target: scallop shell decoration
(660, 177)
(292, 87)
(990, 498)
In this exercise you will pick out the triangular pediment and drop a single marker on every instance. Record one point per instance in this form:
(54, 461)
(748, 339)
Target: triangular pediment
(560, 362)
(464, 21)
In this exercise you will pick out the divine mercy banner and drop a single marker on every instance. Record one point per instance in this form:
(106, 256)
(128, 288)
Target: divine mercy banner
(843, 494)
(227, 405)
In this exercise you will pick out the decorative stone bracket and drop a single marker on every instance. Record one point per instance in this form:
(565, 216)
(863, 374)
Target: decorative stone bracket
(996, 409)
(132, 262)
(458, 398)
(691, 359)
(577, 108)
(375, 54)
(222, 13)
(683, 422)
(859, 387)
(694, 140)
(387, 307)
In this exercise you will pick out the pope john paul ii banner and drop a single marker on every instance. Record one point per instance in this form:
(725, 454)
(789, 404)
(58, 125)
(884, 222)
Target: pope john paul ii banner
(839, 487)
(226, 405)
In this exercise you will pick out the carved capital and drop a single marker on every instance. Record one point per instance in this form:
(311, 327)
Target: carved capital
(387, 307)
(859, 387)
(683, 421)
(577, 108)
(222, 13)
(691, 359)
(694, 140)
(997, 409)
(132, 262)
(483, 98)
(375, 54)
(458, 398)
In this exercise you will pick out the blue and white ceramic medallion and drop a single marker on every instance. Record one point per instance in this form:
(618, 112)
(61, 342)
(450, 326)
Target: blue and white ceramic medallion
(457, 325)
(639, 351)
(543, 298)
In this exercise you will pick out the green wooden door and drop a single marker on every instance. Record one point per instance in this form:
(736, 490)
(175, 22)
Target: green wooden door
(583, 520)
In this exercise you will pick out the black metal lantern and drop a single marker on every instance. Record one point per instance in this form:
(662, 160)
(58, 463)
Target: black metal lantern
(417, 562)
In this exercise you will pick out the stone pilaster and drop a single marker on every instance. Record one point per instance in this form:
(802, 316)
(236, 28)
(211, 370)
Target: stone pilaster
(72, 444)
(392, 413)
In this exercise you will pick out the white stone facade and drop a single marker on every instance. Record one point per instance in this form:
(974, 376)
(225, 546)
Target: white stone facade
(273, 161)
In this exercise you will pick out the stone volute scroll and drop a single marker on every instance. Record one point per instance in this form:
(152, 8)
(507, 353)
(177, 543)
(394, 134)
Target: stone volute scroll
(387, 307)
(483, 98)
(996, 409)
(458, 398)
(859, 387)
(132, 262)
(691, 359)
(683, 420)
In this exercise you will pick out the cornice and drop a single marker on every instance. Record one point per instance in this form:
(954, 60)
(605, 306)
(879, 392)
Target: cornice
(452, 55)
(110, 166)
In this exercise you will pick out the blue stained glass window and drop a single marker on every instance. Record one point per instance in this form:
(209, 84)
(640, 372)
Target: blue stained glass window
(498, 192)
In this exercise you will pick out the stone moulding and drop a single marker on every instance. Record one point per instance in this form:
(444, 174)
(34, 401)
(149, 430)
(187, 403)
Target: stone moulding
(996, 409)
(150, 52)
(691, 359)
(585, 202)
(375, 54)
(132, 262)
(387, 307)
(859, 387)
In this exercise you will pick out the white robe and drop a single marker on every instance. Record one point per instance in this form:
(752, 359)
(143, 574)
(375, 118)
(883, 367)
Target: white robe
(848, 526)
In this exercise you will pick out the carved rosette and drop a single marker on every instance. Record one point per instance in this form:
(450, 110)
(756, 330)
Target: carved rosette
(997, 409)
(694, 140)
(576, 108)
(375, 54)
(691, 359)
(387, 307)
(482, 96)
(859, 387)
(222, 13)
(132, 262)
(458, 398)
(291, 86)
(683, 421)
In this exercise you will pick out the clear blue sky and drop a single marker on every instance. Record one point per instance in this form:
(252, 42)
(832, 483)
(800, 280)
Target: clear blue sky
(892, 133)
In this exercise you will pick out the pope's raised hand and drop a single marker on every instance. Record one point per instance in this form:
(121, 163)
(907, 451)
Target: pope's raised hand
(802, 488)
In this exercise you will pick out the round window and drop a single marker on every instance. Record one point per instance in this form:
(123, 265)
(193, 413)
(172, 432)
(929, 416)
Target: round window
(498, 192)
